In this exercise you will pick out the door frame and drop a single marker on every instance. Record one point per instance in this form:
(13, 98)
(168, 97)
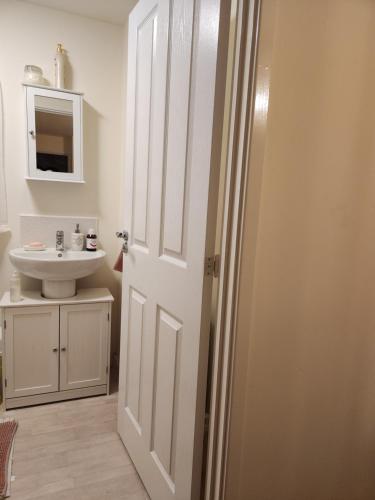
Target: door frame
(244, 112)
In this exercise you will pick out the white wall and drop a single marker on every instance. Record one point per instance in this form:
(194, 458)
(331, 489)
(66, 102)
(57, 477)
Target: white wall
(28, 35)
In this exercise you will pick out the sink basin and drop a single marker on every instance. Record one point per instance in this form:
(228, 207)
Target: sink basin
(57, 270)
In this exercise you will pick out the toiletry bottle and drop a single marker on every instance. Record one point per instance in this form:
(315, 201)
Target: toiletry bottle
(59, 67)
(77, 239)
(15, 287)
(91, 241)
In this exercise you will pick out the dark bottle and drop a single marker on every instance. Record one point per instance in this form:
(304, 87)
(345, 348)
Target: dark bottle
(91, 239)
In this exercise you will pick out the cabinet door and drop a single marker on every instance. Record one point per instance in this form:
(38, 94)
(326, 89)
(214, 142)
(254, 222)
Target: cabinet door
(84, 331)
(31, 350)
(54, 134)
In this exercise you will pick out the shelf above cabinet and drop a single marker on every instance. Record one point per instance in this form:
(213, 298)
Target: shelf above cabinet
(48, 87)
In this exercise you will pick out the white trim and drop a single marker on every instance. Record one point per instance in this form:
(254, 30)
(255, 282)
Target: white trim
(51, 88)
(53, 180)
(53, 397)
(237, 169)
(33, 298)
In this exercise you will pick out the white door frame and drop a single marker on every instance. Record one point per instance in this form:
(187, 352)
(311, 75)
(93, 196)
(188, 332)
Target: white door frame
(241, 119)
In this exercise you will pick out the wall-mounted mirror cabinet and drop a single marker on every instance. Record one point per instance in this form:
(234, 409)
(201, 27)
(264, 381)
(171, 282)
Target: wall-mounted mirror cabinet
(54, 134)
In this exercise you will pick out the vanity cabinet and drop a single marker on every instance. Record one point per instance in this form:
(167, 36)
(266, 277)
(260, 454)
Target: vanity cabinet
(56, 350)
(84, 333)
(31, 350)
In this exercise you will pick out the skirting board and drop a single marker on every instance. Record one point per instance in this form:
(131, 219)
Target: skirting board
(53, 397)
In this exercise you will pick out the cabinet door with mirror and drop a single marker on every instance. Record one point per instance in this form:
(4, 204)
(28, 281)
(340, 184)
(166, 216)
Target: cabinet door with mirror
(54, 134)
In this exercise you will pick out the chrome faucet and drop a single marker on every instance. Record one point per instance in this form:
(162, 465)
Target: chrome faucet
(60, 241)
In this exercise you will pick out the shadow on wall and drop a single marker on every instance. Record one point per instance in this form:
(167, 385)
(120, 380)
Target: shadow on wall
(68, 71)
(4, 241)
(105, 277)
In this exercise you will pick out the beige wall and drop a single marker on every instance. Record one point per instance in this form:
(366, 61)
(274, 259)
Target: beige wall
(28, 35)
(304, 400)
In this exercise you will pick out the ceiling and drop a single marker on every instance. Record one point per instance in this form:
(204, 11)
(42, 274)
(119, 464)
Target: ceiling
(112, 11)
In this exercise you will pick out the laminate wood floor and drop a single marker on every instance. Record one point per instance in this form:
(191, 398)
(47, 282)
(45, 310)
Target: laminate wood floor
(71, 450)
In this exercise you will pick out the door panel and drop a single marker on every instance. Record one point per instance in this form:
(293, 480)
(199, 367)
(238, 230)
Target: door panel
(166, 388)
(31, 350)
(83, 345)
(134, 357)
(170, 189)
(143, 131)
(176, 168)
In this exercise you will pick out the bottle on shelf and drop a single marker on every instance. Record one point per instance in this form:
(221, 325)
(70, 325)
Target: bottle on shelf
(60, 67)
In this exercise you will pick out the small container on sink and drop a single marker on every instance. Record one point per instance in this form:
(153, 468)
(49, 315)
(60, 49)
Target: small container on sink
(78, 240)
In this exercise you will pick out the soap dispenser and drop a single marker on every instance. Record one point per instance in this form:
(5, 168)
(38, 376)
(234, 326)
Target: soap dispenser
(77, 240)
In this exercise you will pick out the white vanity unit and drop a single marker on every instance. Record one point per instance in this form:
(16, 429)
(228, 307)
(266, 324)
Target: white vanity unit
(55, 349)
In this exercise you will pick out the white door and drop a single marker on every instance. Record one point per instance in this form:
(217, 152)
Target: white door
(171, 173)
(84, 331)
(31, 350)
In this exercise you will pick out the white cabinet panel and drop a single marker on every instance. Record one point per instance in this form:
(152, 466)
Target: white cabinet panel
(84, 331)
(31, 350)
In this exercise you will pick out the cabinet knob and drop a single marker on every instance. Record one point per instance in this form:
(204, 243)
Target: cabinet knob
(55, 349)
(63, 349)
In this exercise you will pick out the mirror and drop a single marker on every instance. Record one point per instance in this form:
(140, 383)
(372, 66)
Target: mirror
(54, 134)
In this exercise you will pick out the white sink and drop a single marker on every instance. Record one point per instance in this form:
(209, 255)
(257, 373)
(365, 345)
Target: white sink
(57, 270)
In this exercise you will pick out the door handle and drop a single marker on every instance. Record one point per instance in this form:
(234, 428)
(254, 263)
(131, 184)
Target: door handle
(63, 349)
(125, 236)
(55, 349)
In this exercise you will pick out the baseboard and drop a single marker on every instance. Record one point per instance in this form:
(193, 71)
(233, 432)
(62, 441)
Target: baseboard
(53, 397)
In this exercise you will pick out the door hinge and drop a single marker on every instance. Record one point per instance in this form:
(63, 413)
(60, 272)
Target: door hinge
(106, 369)
(6, 383)
(108, 316)
(212, 267)
(5, 324)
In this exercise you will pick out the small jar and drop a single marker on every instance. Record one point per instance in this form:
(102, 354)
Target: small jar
(33, 74)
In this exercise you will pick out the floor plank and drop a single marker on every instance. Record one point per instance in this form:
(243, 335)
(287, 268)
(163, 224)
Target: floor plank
(71, 450)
